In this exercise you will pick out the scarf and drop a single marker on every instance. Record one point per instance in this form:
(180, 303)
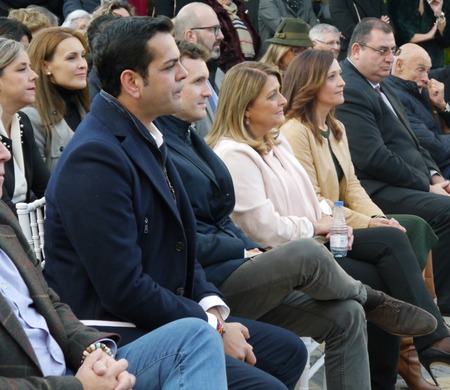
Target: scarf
(244, 36)
(294, 5)
(20, 185)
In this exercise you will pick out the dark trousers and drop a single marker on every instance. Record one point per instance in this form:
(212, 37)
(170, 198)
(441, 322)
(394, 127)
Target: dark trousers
(279, 353)
(383, 259)
(435, 209)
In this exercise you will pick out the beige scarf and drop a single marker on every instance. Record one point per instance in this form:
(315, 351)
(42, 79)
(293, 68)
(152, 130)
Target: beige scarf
(245, 38)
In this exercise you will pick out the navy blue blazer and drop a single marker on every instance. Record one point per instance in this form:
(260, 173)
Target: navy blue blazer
(383, 146)
(220, 243)
(118, 245)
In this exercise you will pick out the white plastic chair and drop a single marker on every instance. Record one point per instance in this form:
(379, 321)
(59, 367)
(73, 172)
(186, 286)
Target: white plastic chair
(31, 219)
(310, 371)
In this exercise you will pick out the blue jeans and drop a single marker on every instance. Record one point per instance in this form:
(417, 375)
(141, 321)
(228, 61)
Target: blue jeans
(184, 354)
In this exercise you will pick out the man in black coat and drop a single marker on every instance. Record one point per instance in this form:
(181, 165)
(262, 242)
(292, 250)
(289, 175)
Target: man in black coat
(395, 170)
(424, 102)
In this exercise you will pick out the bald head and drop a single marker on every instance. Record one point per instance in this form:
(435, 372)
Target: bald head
(412, 64)
(198, 23)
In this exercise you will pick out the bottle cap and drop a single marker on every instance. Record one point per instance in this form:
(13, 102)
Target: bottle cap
(339, 203)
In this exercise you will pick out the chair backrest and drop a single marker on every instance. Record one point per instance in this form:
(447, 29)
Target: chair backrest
(31, 219)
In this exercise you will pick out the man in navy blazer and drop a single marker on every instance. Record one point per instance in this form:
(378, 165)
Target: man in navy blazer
(43, 345)
(119, 229)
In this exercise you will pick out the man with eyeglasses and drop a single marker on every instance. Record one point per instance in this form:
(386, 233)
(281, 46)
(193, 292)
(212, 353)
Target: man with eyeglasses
(398, 174)
(326, 37)
(197, 22)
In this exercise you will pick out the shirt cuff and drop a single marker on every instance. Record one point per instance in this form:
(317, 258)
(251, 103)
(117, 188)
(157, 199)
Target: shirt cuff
(111, 344)
(215, 301)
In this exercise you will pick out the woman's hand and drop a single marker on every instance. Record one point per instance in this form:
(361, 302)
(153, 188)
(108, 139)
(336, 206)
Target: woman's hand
(384, 222)
(322, 226)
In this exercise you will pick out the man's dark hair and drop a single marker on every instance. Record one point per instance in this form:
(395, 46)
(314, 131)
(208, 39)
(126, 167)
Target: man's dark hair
(124, 45)
(364, 28)
(98, 25)
(13, 29)
(193, 51)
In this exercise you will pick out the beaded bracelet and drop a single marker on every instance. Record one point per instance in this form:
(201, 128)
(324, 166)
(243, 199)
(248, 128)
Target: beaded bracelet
(219, 328)
(94, 347)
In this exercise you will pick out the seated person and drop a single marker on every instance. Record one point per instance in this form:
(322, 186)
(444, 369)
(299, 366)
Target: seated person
(326, 37)
(277, 204)
(62, 96)
(326, 159)
(424, 102)
(276, 286)
(26, 174)
(78, 20)
(45, 346)
(13, 29)
(290, 39)
(32, 18)
(272, 11)
(241, 41)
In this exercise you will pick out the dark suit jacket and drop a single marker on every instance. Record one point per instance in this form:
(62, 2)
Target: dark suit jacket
(220, 243)
(118, 246)
(344, 15)
(36, 173)
(19, 367)
(384, 149)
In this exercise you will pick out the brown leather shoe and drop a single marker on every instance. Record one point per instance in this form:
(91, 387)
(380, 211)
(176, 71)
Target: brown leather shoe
(400, 318)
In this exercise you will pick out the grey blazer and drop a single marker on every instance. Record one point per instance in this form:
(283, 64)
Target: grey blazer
(61, 135)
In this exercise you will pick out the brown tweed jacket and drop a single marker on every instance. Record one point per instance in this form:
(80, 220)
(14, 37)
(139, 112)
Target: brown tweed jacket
(19, 367)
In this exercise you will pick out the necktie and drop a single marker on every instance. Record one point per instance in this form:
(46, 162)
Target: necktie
(383, 97)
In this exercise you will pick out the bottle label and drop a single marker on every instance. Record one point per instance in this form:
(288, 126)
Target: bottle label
(338, 241)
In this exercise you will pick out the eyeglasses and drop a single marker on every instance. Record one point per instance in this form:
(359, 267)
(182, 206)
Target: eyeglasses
(384, 51)
(330, 43)
(216, 29)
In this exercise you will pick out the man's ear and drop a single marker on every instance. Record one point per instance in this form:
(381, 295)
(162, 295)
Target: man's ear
(399, 65)
(190, 36)
(132, 83)
(356, 50)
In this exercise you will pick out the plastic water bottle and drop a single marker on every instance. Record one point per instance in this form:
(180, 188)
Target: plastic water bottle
(338, 233)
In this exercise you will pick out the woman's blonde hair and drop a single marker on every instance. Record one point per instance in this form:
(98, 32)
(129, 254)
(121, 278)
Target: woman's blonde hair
(109, 6)
(305, 76)
(240, 88)
(274, 55)
(32, 18)
(9, 51)
(49, 102)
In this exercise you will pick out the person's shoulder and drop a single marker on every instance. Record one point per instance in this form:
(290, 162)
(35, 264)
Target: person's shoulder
(32, 115)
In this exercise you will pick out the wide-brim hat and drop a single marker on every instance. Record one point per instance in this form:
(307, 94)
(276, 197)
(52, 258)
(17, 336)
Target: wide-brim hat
(292, 32)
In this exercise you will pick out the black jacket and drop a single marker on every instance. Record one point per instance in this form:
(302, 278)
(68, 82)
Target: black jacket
(36, 173)
(425, 126)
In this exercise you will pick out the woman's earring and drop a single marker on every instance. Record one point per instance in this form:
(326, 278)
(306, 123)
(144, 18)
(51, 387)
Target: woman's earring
(247, 120)
(49, 73)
